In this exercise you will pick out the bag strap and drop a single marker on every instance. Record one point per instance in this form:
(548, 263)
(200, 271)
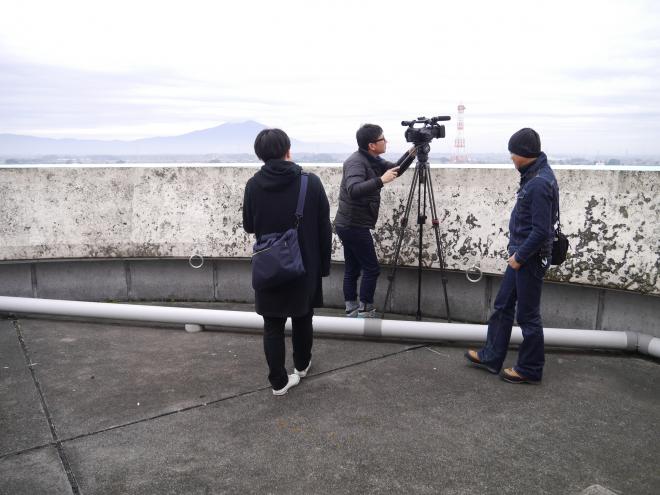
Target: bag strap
(555, 194)
(301, 197)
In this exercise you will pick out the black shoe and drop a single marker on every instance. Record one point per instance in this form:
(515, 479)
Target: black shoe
(473, 358)
(512, 376)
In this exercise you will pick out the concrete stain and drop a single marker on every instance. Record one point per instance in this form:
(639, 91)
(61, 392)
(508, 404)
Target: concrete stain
(610, 217)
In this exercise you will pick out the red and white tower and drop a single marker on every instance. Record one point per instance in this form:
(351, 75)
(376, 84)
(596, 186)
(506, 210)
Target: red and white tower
(460, 155)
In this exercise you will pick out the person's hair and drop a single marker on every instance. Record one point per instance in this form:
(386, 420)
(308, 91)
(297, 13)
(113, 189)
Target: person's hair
(271, 144)
(366, 134)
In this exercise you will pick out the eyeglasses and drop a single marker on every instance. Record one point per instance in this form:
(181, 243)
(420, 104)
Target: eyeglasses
(379, 140)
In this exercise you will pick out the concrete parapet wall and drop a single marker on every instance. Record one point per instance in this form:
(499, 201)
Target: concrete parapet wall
(611, 217)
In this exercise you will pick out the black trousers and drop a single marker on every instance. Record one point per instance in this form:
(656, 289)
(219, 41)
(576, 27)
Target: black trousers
(274, 346)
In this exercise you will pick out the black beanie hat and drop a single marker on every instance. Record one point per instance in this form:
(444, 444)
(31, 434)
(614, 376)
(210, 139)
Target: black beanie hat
(526, 142)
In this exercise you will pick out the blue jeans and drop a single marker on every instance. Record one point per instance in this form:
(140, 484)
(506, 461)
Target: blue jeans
(524, 288)
(360, 258)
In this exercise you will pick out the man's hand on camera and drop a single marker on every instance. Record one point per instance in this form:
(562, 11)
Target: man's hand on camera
(390, 175)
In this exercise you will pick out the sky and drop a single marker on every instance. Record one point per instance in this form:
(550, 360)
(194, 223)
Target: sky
(585, 74)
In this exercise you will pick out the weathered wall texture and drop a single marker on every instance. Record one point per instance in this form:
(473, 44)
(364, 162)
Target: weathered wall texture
(610, 216)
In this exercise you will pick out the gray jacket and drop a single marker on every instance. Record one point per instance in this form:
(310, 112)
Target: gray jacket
(359, 193)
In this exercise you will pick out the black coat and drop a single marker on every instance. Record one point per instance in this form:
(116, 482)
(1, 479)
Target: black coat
(269, 206)
(359, 192)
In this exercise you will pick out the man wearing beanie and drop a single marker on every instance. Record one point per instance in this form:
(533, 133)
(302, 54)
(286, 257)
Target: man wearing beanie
(531, 232)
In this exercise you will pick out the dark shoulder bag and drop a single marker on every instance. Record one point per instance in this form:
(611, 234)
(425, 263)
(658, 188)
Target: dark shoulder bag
(560, 242)
(276, 257)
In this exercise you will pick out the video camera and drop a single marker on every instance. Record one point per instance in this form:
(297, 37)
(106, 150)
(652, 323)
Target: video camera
(424, 135)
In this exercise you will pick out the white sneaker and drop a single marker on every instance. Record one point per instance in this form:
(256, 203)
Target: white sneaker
(303, 373)
(352, 313)
(352, 308)
(371, 313)
(366, 310)
(293, 381)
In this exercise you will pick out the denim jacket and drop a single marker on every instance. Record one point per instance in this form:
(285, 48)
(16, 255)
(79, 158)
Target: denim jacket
(533, 219)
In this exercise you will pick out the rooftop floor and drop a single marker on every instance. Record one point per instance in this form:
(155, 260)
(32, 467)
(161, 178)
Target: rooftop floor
(105, 407)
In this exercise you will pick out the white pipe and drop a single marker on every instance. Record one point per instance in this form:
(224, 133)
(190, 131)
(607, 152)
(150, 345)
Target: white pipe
(369, 327)
(653, 348)
(135, 312)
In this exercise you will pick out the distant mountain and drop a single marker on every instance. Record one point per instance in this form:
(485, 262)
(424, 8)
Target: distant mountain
(225, 138)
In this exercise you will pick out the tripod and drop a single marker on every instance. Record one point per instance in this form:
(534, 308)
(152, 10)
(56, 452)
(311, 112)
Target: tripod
(422, 181)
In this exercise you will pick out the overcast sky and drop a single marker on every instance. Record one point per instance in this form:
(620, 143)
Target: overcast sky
(585, 74)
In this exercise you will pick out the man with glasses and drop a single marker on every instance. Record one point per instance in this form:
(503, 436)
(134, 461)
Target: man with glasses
(364, 175)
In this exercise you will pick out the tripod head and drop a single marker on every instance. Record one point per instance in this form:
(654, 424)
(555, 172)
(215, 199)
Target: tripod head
(423, 153)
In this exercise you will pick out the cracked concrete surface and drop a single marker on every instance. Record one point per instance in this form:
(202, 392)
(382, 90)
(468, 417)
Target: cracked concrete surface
(611, 217)
(153, 409)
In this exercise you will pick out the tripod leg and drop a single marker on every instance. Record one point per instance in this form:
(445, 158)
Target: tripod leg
(421, 221)
(400, 235)
(436, 225)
